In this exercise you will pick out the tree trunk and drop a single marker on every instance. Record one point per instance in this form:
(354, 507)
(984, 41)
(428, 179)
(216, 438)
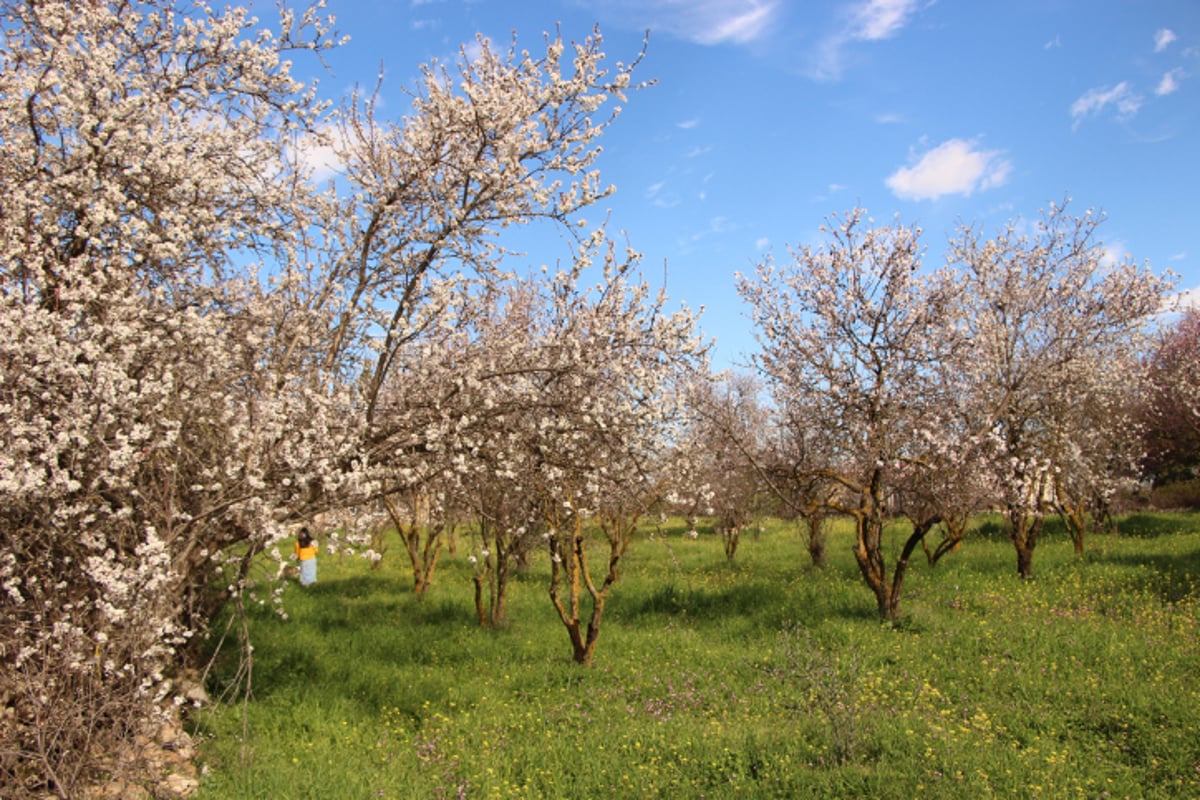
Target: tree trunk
(582, 650)
(500, 596)
(1075, 516)
(947, 545)
(378, 545)
(567, 569)
(431, 554)
(584, 657)
(814, 539)
(493, 612)
(1023, 530)
(956, 530)
(869, 556)
(1024, 560)
(480, 611)
(407, 522)
(816, 550)
(868, 551)
(423, 559)
(731, 537)
(915, 538)
(569, 560)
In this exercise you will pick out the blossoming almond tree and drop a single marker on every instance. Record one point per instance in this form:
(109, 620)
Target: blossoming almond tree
(612, 355)
(1170, 408)
(720, 456)
(1096, 447)
(798, 444)
(509, 531)
(943, 488)
(852, 328)
(475, 392)
(1047, 315)
(194, 340)
(423, 517)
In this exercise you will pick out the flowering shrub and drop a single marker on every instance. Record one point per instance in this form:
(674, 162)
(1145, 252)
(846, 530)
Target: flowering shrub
(196, 341)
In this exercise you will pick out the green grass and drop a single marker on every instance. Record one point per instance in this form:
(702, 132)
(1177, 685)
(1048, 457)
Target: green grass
(762, 678)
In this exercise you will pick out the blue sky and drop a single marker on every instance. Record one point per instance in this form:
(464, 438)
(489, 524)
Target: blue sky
(770, 115)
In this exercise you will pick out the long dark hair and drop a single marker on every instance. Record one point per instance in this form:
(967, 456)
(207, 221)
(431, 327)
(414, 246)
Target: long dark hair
(305, 537)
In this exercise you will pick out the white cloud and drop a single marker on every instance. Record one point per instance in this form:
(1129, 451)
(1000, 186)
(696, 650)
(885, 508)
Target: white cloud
(762, 243)
(881, 19)
(1053, 43)
(1163, 38)
(953, 167)
(657, 195)
(318, 154)
(716, 226)
(1093, 101)
(1114, 253)
(721, 225)
(1182, 301)
(867, 21)
(472, 50)
(709, 22)
(827, 59)
(737, 22)
(687, 124)
(1169, 82)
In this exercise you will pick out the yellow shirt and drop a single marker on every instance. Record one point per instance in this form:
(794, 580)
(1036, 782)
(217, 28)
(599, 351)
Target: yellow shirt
(305, 553)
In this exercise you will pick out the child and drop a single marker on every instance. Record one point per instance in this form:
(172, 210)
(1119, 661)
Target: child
(306, 551)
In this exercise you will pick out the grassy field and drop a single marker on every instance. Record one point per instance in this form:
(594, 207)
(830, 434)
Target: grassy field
(761, 678)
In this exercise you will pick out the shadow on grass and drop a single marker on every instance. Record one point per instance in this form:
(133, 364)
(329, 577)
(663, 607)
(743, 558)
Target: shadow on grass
(1142, 524)
(339, 641)
(991, 527)
(1171, 576)
(334, 606)
(757, 603)
(1151, 525)
(741, 599)
(368, 600)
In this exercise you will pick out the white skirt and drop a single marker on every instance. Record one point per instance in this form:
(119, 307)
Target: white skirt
(308, 571)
